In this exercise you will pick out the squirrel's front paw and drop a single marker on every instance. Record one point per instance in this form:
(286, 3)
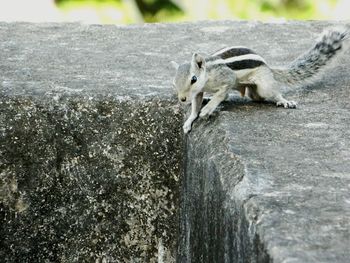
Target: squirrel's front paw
(187, 127)
(205, 113)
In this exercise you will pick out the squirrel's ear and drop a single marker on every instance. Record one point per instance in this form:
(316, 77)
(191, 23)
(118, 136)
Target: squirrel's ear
(198, 60)
(174, 64)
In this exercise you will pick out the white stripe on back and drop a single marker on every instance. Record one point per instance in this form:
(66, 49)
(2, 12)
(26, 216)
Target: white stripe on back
(235, 59)
(223, 50)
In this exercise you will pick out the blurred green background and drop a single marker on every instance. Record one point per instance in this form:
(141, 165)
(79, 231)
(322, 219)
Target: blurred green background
(137, 11)
(140, 11)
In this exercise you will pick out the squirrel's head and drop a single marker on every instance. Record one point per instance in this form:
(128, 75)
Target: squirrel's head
(190, 78)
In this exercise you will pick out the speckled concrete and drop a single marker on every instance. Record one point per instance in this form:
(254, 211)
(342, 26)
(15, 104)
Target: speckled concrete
(91, 148)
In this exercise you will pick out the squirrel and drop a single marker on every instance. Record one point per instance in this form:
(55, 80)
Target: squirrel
(240, 68)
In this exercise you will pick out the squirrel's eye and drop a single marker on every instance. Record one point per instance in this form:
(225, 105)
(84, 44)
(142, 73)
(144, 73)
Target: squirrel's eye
(193, 80)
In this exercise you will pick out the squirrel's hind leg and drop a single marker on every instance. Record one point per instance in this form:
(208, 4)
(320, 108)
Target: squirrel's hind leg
(268, 89)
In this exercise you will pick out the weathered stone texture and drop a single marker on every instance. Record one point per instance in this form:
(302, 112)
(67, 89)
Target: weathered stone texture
(83, 179)
(88, 173)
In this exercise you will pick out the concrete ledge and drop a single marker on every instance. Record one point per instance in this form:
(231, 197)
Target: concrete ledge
(91, 152)
(265, 184)
(91, 148)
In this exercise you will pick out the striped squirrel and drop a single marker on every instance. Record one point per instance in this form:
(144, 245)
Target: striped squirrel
(241, 69)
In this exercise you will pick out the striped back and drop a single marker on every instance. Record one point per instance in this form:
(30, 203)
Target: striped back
(230, 52)
(237, 58)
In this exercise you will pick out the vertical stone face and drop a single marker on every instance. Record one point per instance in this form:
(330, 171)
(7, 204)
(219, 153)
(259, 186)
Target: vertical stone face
(87, 179)
(213, 227)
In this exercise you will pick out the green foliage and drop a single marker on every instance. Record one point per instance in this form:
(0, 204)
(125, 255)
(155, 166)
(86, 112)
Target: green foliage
(134, 11)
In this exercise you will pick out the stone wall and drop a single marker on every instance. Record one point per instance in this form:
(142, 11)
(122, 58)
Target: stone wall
(88, 174)
(94, 166)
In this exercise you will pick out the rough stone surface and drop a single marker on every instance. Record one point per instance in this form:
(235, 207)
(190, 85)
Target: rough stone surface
(91, 150)
(90, 147)
(267, 184)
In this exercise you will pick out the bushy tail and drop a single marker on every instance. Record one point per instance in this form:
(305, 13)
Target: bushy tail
(310, 64)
